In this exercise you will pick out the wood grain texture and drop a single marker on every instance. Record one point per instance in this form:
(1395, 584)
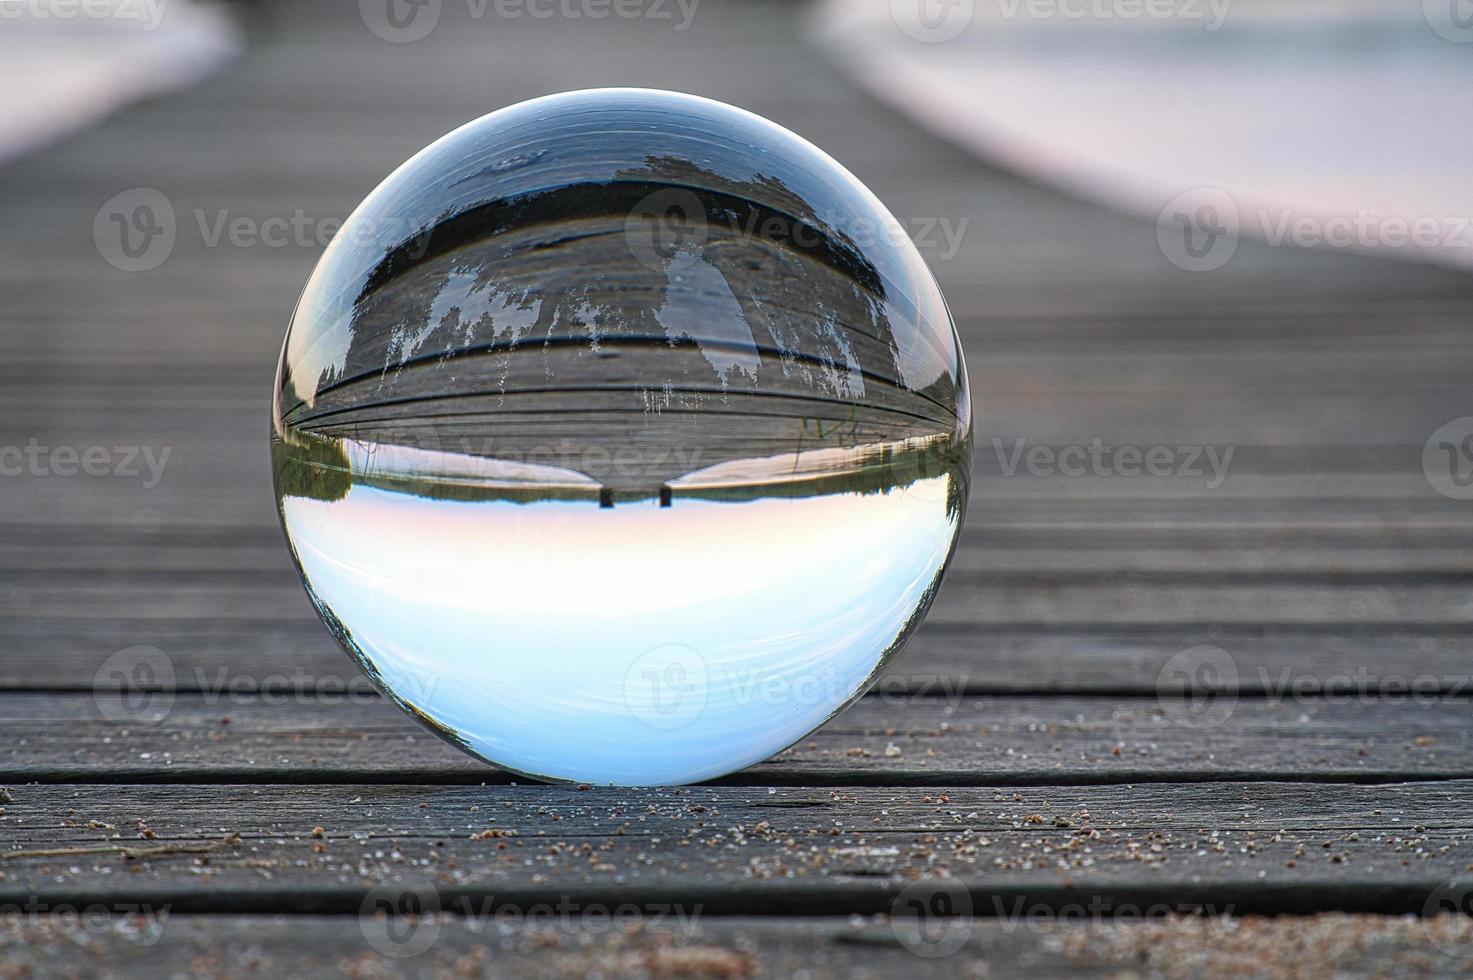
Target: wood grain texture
(1283, 847)
(56, 654)
(500, 940)
(284, 731)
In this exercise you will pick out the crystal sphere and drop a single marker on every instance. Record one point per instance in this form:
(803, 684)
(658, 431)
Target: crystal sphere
(621, 437)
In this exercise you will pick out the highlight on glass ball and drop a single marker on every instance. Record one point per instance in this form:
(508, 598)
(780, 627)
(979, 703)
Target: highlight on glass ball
(621, 437)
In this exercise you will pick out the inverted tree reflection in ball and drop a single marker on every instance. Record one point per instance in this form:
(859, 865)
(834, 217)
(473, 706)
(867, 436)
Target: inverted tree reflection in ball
(621, 436)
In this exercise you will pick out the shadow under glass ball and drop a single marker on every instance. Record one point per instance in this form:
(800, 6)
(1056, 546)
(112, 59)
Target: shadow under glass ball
(621, 436)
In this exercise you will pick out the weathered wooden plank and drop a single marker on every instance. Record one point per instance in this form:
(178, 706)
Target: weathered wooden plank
(1049, 512)
(1343, 525)
(1379, 403)
(1298, 504)
(1281, 847)
(965, 601)
(1406, 359)
(581, 941)
(1018, 503)
(68, 654)
(1058, 554)
(67, 553)
(972, 602)
(1039, 391)
(285, 731)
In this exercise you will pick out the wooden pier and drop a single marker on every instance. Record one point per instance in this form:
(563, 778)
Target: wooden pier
(1241, 690)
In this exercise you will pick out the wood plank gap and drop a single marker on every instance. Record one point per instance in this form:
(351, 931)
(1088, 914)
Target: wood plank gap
(793, 898)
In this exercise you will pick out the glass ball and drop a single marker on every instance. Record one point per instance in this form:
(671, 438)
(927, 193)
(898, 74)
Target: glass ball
(621, 437)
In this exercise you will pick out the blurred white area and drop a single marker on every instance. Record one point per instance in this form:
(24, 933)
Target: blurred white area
(1330, 124)
(66, 63)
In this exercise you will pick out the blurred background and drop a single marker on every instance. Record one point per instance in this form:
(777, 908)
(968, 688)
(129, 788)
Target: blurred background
(1233, 233)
